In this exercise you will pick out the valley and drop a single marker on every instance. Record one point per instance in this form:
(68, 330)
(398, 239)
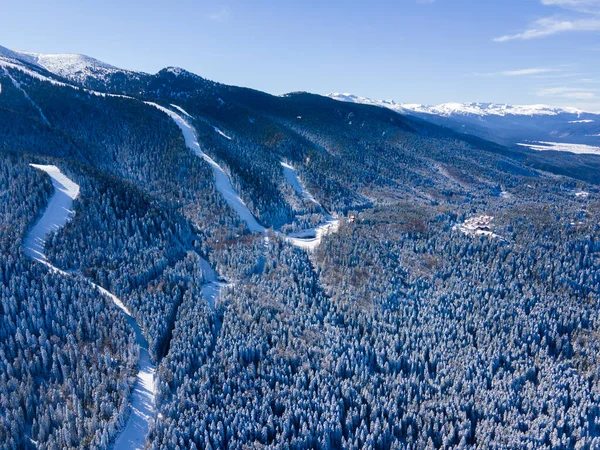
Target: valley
(187, 264)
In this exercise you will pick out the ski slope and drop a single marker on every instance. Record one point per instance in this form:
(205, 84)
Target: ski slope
(292, 178)
(307, 239)
(310, 238)
(222, 181)
(56, 215)
(58, 212)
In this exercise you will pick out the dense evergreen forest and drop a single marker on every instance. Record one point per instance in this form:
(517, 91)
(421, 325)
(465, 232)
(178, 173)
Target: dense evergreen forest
(455, 307)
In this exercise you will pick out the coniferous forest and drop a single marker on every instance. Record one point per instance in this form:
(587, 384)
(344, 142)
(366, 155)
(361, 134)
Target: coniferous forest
(455, 304)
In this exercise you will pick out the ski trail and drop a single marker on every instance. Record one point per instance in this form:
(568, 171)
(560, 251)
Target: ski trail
(292, 177)
(222, 181)
(211, 289)
(18, 86)
(222, 134)
(57, 214)
(310, 238)
(307, 239)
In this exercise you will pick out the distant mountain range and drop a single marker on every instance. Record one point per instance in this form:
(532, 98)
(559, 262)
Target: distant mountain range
(502, 123)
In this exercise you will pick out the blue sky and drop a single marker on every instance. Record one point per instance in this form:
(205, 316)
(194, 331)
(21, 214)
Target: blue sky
(416, 51)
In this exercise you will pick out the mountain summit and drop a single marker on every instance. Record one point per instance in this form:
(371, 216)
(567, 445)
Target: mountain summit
(72, 66)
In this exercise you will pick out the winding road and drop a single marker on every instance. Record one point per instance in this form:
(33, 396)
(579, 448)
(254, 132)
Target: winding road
(57, 214)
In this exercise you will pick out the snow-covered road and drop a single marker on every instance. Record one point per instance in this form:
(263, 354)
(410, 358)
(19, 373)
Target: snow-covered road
(57, 214)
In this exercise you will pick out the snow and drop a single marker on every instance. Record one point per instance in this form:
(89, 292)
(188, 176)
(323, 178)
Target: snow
(18, 86)
(453, 108)
(67, 65)
(292, 178)
(310, 238)
(57, 214)
(221, 133)
(563, 147)
(222, 181)
(181, 110)
(5, 63)
(581, 121)
(307, 239)
(74, 67)
(582, 194)
(211, 289)
(478, 226)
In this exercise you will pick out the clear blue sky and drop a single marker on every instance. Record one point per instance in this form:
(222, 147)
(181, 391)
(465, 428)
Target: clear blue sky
(417, 51)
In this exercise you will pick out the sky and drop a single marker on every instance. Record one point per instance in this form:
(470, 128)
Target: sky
(411, 51)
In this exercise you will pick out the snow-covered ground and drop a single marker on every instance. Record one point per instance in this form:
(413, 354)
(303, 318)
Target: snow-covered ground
(57, 214)
(221, 133)
(454, 108)
(222, 181)
(18, 86)
(292, 177)
(478, 226)
(307, 239)
(181, 110)
(211, 289)
(310, 238)
(562, 147)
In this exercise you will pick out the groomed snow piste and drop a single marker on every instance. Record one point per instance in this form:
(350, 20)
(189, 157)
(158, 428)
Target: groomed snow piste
(307, 239)
(57, 214)
(222, 181)
(310, 238)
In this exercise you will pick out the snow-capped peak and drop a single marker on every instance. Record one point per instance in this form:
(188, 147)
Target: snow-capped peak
(465, 109)
(71, 66)
(66, 64)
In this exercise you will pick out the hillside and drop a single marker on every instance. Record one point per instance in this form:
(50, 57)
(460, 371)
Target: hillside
(302, 272)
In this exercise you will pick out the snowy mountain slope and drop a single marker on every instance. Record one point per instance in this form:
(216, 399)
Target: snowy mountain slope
(74, 67)
(57, 214)
(222, 181)
(307, 239)
(502, 123)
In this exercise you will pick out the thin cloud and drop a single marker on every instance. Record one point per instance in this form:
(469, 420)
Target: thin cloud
(588, 20)
(520, 72)
(220, 15)
(567, 92)
(584, 6)
(549, 26)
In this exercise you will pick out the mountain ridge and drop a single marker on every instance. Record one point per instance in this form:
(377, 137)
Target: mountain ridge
(502, 123)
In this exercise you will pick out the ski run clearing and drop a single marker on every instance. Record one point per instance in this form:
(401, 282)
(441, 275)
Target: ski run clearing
(307, 239)
(222, 181)
(294, 180)
(222, 134)
(310, 238)
(57, 214)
